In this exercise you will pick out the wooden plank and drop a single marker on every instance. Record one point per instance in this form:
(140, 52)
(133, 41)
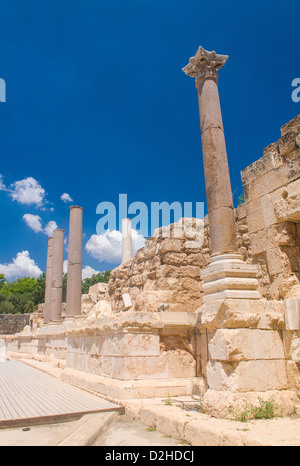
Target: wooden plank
(29, 396)
(18, 396)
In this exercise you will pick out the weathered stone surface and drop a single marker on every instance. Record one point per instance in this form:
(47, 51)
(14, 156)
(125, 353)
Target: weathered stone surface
(247, 376)
(235, 345)
(292, 314)
(13, 323)
(242, 313)
(99, 288)
(272, 190)
(219, 403)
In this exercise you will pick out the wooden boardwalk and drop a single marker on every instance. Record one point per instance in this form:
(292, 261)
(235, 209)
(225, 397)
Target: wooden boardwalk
(29, 396)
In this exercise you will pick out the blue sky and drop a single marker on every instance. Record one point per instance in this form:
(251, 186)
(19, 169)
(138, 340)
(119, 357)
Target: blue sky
(98, 105)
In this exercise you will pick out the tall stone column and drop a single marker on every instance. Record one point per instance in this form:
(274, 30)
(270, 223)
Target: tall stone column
(227, 276)
(57, 276)
(48, 281)
(126, 240)
(74, 279)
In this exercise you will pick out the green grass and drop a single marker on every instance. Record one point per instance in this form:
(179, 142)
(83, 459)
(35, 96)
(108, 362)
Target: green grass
(265, 410)
(168, 401)
(151, 429)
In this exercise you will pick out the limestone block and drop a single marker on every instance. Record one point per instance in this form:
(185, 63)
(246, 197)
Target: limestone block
(242, 313)
(190, 271)
(236, 345)
(295, 355)
(256, 375)
(292, 125)
(259, 241)
(172, 258)
(141, 344)
(168, 271)
(292, 314)
(218, 403)
(173, 245)
(149, 301)
(241, 211)
(274, 261)
(98, 288)
(255, 221)
(136, 280)
(261, 166)
(199, 260)
(288, 209)
(252, 205)
(273, 179)
(173, 364)
(102, 308)
(268, 213)
(287, 143)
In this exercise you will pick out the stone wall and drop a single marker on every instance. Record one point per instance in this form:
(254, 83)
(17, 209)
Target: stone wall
(166, 271)
(272, 211)
(13, 323)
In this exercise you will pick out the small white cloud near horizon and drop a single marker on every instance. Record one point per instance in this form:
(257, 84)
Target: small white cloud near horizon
(107, 247)
(27, 191)
(65, 197)
(21, 266)
(34, 222)
(87, 271)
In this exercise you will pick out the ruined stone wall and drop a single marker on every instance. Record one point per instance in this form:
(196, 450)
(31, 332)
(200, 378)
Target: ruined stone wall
(272, 210)
(167, 269)
(13, 323)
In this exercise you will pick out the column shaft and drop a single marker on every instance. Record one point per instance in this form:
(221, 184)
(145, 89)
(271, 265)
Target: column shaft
(57, 276)
(227, 275)
(126, 239)
(216, 170)
(48, 281)
(74, 279)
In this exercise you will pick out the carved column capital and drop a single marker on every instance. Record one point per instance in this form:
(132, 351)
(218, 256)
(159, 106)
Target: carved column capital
(205, 64)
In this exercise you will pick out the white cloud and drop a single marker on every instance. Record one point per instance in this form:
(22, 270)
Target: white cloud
(50, 227)
(20, 267)
(27, 191)
(108, 246)
(88, 272)
(34, 222)
(66, 197)
(2, 185)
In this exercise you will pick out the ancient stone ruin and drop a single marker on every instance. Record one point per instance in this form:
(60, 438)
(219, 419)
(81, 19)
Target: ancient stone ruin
(221, 320)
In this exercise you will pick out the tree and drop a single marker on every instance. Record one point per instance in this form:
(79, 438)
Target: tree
(24, 294)
(38, 294)
(21, 295)
(2, 280)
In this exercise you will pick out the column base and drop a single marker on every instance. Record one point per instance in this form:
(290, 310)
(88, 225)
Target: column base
(228, 276)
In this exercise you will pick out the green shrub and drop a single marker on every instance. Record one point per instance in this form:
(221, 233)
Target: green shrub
(265, 410)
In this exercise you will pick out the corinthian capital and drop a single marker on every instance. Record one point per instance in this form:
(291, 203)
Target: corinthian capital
(205, 64)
